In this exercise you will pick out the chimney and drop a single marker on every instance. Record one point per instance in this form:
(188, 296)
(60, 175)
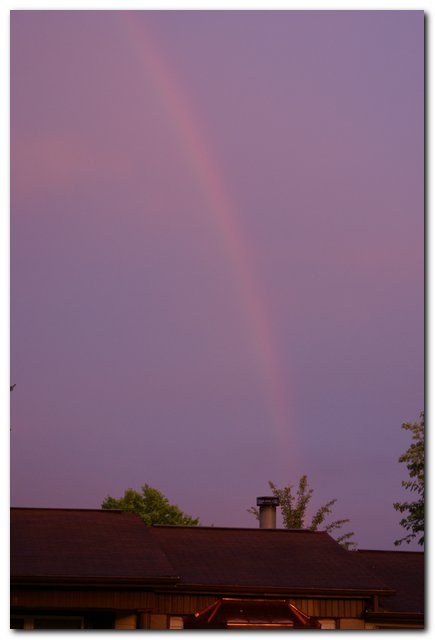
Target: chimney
(268, 505)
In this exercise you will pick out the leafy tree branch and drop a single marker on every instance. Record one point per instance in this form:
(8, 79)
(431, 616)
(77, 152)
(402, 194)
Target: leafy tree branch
(413, 457)
(294, 506)
(151, 505)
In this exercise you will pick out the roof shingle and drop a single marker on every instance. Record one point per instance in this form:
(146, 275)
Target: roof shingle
(267, 558)
(80, 543)
(404, 572)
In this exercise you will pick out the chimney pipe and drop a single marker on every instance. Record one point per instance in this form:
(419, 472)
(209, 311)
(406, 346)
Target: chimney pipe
(268, 505)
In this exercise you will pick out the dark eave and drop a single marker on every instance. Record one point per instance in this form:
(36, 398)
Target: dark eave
(394, 617)
(266, 590)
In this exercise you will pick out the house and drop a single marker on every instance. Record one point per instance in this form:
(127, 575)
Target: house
(97, 569)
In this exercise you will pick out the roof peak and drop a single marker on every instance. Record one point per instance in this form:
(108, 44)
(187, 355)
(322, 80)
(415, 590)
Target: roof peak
(221, 528)
(78, 509)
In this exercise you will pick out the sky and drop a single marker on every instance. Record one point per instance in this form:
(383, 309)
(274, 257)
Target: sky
(217, 258)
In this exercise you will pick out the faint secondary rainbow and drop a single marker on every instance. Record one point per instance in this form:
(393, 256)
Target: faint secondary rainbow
(200, 156)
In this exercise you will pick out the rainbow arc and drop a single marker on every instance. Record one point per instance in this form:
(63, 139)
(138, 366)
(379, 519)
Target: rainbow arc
(199, 154)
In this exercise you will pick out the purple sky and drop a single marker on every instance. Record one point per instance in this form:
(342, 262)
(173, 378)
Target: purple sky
(217, 255)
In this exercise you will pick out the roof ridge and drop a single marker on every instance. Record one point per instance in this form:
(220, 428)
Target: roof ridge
(220, 528)
(395, 551)
(81, 509)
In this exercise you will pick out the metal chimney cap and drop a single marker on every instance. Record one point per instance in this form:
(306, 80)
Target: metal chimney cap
(267, 501)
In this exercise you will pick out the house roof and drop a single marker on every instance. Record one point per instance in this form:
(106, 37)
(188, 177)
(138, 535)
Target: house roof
(404, 572)
(84, 544)
(63, 546)
(270, 559)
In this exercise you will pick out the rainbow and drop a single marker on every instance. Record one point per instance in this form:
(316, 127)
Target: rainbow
(199, 154)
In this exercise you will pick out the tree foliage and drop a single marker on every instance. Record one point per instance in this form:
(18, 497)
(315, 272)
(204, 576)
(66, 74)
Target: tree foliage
(151, 505)
(294, 508)
(414, 460)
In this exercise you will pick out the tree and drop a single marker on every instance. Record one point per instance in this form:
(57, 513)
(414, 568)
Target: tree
(151, 505)
(294, 511)
(414, 460)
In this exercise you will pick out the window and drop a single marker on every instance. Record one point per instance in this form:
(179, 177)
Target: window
(176, 622)
(327, 623)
